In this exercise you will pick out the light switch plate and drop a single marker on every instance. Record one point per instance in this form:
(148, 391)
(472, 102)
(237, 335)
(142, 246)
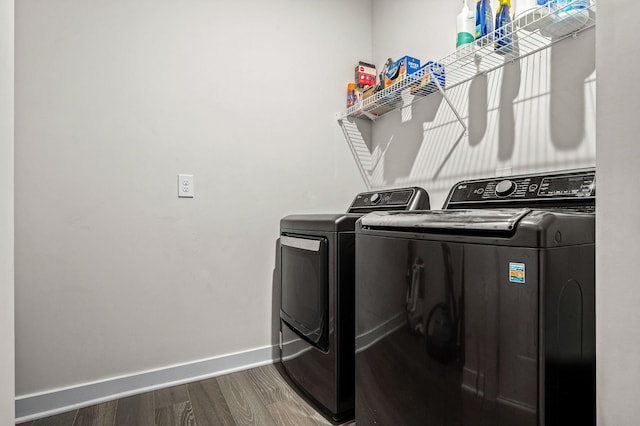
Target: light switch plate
(505, 171)
(185, 186)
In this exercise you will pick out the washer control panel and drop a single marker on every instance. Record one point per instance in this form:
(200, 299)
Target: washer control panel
(396, 199)
(561, 186)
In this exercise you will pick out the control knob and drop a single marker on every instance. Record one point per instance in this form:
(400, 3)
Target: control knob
(375, 198)
(505, 188)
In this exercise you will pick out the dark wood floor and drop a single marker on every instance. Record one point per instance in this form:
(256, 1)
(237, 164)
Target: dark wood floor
(259, 396)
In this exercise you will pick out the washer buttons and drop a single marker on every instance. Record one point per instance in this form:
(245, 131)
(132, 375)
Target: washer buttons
(505, 188)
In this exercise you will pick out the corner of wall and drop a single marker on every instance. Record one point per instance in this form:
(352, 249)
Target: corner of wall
(7, 333)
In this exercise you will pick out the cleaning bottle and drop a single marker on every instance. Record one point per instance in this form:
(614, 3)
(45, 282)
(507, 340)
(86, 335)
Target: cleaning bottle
(484, 22)
(567, 17)
(466, 25)
(503, 40)
(351, 95)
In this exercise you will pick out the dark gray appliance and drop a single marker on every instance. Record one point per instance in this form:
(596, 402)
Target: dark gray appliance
(317, 309)
(482, 313)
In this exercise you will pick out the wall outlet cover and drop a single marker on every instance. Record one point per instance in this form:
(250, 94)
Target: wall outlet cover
(505, 171)
(185, 186)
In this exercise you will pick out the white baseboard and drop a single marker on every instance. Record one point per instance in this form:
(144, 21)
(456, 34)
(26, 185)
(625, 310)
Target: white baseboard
(35, 406)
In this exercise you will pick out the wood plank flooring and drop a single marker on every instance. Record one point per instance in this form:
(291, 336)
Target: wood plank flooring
(259, 396)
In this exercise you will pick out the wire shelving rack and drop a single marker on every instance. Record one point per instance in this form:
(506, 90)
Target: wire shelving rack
(528, 33)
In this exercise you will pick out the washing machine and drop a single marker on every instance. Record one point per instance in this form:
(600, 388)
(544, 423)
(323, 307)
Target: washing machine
(317, 253)
(482, 313)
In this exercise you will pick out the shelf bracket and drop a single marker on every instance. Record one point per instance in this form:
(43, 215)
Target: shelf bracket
(363, 172)
(446, 98)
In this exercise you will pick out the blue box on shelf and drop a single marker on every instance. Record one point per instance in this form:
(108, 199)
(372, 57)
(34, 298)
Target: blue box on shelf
(400, 69)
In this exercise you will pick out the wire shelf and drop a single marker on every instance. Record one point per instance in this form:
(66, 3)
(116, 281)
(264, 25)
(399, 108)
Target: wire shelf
(528, 33)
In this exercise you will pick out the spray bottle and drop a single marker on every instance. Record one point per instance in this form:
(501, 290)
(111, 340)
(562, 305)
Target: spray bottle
(503, 40)
(466, 25)
(484, 22)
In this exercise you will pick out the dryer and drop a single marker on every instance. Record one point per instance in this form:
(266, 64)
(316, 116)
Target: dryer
(482, 313)
(317, 312)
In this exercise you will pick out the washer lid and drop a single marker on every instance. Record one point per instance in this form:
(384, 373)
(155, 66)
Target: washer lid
(319, 222)
(501, 220)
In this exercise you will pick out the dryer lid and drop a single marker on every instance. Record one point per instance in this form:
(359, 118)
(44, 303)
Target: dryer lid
(496, 220)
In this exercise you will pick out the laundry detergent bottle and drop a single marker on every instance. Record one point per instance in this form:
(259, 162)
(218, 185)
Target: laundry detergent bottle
(484, 22)
(466, 25)
(503, 40)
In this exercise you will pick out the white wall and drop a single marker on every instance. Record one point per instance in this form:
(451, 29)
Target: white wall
(617, 227)
(114, 273)
(6, 215)
(533, 115)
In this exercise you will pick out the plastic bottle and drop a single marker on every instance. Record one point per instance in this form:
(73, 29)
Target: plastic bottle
(567, 16)
(484, 22)
(466, 25)
(572, 5)
(351, 94)
(504, 41)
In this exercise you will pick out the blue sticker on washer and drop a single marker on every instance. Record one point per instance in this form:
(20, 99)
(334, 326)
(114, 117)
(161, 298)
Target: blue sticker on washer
(516, 272)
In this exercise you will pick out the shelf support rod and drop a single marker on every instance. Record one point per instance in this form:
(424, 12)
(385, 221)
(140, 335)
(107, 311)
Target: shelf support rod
(363, 173)
(446, 98)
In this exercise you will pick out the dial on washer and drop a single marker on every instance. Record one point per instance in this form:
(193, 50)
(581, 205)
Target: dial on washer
(375, 198)
(505, 187)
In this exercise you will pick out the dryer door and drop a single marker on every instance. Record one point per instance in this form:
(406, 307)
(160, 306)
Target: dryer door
(305, 287)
